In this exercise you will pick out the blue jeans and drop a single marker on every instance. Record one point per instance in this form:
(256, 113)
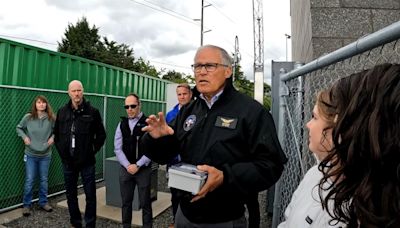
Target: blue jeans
(36, 166)
(71, 175)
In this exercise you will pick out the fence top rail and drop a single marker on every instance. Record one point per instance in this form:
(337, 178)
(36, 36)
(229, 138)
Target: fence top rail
(376, 39)
(64, 91)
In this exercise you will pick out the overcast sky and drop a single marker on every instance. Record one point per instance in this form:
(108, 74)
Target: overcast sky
(167, 39)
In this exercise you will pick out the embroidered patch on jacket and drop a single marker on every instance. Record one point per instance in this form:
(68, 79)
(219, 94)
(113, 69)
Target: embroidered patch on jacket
(189, 122)
(226, 122)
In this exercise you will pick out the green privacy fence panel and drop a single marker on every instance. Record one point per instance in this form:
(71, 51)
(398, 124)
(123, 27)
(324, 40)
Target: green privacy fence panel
(27, 71)
(113, 117)
(28, 66)
(14, 104)
(112, 121)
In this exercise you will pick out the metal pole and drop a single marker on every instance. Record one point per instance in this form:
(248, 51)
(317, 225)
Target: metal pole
(287, 37)
(201, 23)
(286, 49)
(373, 40)
(235, 57)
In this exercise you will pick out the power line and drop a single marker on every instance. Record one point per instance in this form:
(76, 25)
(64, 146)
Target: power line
(23, 38)
(220, 11)
(167, 11)
(170, 64)
(184, 16)
(180, 16)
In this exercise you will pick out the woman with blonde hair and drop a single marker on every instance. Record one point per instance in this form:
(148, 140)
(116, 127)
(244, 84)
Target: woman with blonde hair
(36, 131)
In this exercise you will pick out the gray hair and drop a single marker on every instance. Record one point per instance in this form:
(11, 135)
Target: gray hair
(226, 58)
(75, 82)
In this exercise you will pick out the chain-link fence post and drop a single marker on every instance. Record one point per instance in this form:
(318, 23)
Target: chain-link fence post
(283, 91)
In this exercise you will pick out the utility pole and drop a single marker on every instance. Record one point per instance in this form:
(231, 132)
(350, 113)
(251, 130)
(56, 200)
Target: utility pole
(258, 29)
(202, 22)
(236, 57)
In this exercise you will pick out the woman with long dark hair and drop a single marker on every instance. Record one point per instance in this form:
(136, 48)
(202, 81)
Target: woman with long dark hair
(364, 164)
(355, 135)
(36, 130)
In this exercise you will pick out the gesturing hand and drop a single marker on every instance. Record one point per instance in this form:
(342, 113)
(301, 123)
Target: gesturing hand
(157, 127)
(214, 180)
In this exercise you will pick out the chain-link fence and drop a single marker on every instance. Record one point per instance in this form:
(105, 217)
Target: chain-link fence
(298, 95)
(15, 102)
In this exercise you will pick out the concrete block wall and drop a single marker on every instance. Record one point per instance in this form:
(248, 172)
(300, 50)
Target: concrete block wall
(322, 26)
(301, 30)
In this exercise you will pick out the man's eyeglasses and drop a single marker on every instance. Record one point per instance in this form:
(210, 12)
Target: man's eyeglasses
(210, 67)
(132, 106)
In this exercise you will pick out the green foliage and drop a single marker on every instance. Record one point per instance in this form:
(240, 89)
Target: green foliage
(174, 76)
(117, 55)
(81, 40)
(243, 85)
(178, 77)
(146, 68)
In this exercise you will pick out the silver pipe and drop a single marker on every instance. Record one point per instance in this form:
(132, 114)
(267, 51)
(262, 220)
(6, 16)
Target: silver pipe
(376, 39)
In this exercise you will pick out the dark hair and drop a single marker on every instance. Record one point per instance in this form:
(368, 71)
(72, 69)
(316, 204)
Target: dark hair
(364, 164)
(48, 110)
(136, 96)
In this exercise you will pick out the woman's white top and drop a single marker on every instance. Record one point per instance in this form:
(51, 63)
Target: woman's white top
(305, 208)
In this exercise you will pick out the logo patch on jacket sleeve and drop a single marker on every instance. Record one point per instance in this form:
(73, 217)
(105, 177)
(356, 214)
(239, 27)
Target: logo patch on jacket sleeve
(226, 122)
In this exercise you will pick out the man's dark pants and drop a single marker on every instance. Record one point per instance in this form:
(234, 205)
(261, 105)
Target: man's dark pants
(71, 175)
(182, 222)
(127, 186)
(253, 207)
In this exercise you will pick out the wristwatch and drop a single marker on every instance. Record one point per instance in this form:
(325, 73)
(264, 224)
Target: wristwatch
(138, 166)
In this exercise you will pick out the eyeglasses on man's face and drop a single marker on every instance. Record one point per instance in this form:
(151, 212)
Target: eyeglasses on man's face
(210, 67)
(132, 106)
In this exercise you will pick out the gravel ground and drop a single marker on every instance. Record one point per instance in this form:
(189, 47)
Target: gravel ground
(60, 217)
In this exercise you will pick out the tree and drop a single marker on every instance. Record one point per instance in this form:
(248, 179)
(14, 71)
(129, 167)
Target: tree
(120, 55)
(174, 76)
(81, 40)
(144, 67)
(245, 86)
(241, 83)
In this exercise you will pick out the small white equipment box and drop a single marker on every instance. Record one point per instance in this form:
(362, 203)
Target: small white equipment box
(186, 177)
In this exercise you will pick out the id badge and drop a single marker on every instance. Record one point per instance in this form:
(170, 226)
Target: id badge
(73, 142)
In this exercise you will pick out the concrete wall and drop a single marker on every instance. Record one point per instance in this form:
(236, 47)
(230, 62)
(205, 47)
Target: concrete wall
(322, 26)
(301, 30)
(172, 100)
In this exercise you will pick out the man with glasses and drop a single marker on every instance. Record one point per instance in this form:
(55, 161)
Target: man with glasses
(78, 135)
(135, 166)
(226, 134)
